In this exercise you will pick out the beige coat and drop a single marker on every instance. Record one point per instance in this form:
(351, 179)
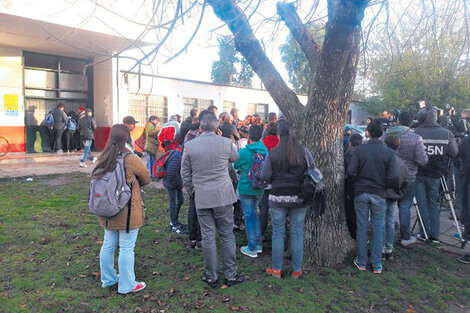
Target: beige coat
(135, 170)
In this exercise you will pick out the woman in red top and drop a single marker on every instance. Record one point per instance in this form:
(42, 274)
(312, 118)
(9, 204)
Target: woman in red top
(271, 139)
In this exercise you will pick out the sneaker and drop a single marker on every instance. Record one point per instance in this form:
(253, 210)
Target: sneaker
(178, 230)
(239, 278)
(82, 164)
(240, 227)
(434, 240)
(465, 259)
(359, 266)
(140, 286)
(297, 274)
(259, 249)
(421, 237)
(191, 244)
(94, 160)
(181, 225)
(198, 246)
(60, 151)
(406, 243)
(246, 251)
(273, 272)
(377, 268)
(387, 254)
(211, 282)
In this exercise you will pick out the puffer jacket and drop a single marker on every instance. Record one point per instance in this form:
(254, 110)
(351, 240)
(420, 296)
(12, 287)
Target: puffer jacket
(151, 141)
(172, 178)
(136, 172)
(412, 150)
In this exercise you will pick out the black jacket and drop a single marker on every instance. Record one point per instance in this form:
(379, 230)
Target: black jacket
(185, 128)
(464, 155)
(60, 118)
(87, 126)
(440, 144)
(286, 183)
(404, 179)
(229, 131)
(374, 168)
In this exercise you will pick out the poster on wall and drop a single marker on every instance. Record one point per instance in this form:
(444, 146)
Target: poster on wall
(10, 103)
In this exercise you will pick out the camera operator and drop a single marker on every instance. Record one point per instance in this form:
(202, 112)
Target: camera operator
(440, 143)
(413, 152)
(464, 155)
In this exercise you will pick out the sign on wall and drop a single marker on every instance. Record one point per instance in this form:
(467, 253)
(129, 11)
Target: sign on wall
(10, 103)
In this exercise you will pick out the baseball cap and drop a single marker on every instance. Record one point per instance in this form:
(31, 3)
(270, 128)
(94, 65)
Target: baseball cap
(129, 120)
(82, 108)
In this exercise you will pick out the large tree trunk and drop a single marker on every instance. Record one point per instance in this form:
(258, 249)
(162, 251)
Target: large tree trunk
(320, 124)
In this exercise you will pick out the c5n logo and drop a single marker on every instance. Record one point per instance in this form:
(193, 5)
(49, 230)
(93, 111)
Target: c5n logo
(435, 146)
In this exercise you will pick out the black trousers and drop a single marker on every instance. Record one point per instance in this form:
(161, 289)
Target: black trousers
(57, 138)
(349, 207)
(69, 143)
(237, 213)
(264, 211)
(194, 229)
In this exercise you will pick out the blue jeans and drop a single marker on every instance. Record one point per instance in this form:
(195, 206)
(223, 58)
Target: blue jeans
(278, 221)
(150, 162)
(404, 206)
(126, 280)
(176, 197)
(389, 233)
(427, 195)
(375, 205)
(86, 151)
(252, 225)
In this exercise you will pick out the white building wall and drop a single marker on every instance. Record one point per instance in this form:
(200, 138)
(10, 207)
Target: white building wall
(105, 111)
(11, 83)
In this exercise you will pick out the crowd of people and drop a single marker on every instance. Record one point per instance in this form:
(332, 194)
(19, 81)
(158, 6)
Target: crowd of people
(236, 173)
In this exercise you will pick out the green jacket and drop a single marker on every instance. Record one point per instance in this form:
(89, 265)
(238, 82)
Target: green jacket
(151, 141)
(244, 164)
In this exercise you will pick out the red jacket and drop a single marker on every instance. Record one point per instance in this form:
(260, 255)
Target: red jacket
(271, 141)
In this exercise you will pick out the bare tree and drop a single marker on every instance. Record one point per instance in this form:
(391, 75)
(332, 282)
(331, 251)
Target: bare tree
(319, 125)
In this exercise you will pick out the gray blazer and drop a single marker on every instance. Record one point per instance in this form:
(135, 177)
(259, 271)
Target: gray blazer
(204, 170)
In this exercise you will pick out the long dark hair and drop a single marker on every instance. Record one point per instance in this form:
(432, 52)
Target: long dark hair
(288, 154)
(120, 135)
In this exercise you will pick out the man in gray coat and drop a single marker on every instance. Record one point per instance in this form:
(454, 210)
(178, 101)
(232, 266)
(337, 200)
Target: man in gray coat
(204, 172)
(60, 121)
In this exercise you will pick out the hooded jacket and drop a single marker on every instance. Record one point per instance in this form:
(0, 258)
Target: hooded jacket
(412, 150)
(244, 164)
(439, 143)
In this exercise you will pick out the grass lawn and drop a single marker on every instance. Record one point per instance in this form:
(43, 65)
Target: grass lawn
(50, 243)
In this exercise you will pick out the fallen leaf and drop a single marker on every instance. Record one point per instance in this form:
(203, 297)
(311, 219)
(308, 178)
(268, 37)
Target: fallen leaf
(96, 274)
(235, 308)
(186, 278)
(157, 230)
(225, 300)
(153, 298)
(53, 285)
(410, 309)
(172, 291)
(212, 307)
(138, 309)
(224, 287)
(351, 292)
(301, 290)
(100, 242)
(82, 276)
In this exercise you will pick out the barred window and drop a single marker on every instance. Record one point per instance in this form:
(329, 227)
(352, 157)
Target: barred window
(258, 108)
(191, 103)
(142, 106)
(228, 106)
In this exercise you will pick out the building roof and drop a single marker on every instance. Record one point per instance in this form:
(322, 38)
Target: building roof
(39, 36)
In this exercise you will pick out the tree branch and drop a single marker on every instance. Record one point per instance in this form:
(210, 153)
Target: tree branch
(246, 43)
(300, 33)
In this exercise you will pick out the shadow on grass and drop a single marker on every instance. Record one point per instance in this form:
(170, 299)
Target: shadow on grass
(50, 243)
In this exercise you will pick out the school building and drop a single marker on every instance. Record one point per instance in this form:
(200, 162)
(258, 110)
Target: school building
(43, 64)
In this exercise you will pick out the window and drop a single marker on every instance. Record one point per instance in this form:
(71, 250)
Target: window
(50, 80)
(258, 108)
(191, 103)
(141, 107)
(228, 106)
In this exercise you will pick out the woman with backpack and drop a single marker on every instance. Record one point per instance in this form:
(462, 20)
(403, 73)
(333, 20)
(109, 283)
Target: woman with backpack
(87, 127)
(123, 227)
(285, 168)
(251, 156)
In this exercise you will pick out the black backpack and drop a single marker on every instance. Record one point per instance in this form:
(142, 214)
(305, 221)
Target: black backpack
(313, 189)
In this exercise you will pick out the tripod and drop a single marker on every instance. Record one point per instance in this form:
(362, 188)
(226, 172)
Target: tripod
(447, 195)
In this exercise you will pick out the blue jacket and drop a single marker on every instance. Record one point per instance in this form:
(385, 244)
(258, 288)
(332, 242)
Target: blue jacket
(172, 179)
